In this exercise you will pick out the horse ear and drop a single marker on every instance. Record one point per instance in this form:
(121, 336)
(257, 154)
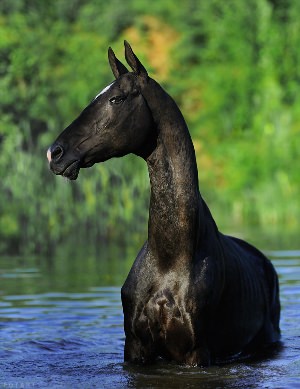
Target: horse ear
(116, 66)
(134, 62)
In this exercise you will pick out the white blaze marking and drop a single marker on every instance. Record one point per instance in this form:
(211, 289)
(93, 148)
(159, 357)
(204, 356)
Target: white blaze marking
(104, 90)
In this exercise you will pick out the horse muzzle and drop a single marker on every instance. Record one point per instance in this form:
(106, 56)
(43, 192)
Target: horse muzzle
(60, 165)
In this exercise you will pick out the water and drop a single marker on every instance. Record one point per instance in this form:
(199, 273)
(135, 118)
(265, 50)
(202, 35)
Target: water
(61, 326)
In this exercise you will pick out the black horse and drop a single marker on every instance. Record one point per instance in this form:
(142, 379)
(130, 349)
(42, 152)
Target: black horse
(193, 295)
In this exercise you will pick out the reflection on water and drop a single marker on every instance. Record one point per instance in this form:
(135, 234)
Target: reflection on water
(59, 329)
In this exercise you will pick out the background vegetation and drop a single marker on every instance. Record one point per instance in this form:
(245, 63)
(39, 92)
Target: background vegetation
(234, 69)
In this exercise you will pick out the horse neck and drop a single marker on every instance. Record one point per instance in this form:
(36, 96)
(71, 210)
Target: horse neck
(175, 202)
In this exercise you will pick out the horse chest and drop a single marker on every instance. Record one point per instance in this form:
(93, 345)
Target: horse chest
(162, 316)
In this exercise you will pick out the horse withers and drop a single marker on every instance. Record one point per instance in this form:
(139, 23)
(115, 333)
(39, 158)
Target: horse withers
(193, 295)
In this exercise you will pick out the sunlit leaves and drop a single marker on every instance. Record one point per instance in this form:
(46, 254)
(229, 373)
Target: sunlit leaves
(232, 66)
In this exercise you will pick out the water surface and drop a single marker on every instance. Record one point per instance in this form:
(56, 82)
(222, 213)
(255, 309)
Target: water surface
(61, 326)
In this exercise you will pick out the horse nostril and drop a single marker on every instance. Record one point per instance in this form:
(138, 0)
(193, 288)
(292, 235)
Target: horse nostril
(56, 152)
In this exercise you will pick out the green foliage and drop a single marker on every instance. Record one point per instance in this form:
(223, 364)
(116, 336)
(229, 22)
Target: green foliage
(232, 66)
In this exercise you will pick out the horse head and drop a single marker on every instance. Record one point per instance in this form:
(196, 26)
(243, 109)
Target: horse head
(117, 122)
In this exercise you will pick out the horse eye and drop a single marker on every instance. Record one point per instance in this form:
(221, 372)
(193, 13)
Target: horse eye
(117, 99)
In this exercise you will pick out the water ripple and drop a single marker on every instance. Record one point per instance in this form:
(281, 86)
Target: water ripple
(76, 339)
